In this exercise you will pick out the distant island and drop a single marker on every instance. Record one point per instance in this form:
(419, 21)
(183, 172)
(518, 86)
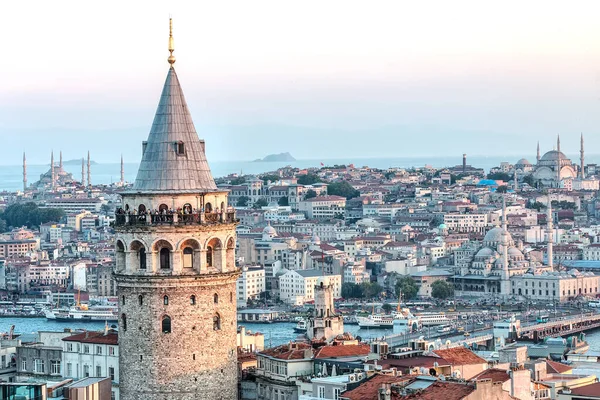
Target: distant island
(78, 162)
(277, 157)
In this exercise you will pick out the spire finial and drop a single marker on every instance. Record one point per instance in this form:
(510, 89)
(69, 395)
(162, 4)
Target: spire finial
(558, 143)
(171, 58)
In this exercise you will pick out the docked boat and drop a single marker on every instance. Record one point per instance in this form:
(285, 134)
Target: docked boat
(430, 319)
(350, 320)
(83, 313)
(301, 326)
(376, 321)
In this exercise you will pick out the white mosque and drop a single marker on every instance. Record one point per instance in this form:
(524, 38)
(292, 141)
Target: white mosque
(554, 167)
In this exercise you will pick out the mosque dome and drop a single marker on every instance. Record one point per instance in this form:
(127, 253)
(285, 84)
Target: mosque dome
(443, 226)
(269, 232)
(495, 235)
(523, 162)
(485, 252)
(554, 155)
(514, 252)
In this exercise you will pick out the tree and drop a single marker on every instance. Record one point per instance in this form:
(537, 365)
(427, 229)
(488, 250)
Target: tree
(407, 287)
(243, 201)
(238, 181)
(499, 176)
(283, 201)
(441, 290)
(308, 179)
(529, 180)
(310, 194)
(387, 308)
(262, 202)
(371, 289)
(269, 178)
(2, 225)
(352, 291)
(502, 189)
(538, 205)
(30, 215)
(343, 189)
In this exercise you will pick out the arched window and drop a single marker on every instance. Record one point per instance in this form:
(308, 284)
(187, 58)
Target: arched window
(188, 257)
(217, 322)
(166, 300)
(216, 298)
(165, 258)
(208, 208)
(126, 207)
(163, 208)
(193, 300)
(141, 209)
(209, 256)
(124, 321)
(166, 324)
(142, 256)
(141, 299)
(123, 299)
(187, 208)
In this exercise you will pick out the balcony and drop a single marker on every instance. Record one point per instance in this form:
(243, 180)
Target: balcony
(175, 219)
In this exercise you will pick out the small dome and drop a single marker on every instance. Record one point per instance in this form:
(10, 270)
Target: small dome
(554, 155)
(513, 251)
(443, 226)
(269, 232)
(495, 236)
(315, 239)
(485, 252)
(523, 162)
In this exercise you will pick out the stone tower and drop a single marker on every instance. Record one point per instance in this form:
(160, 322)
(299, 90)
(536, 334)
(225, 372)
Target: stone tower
(175, 267)
(324, 323)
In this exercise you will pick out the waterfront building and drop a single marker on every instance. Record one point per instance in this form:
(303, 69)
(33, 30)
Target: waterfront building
(175, 266)
(75, 204)
(250, 284)
(298, 287)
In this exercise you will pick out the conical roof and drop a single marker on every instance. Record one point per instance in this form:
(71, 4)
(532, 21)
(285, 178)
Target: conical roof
(173, 159)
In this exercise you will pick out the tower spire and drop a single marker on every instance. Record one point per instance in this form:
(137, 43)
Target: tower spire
(60, 164)
(538, 152)
(82, 172)
(122, 172)
(504, 222)
(171, 58)
(558, 143)
(516, 185)
(582, 160)
(549, 232)
(89, 172)
(24, 172)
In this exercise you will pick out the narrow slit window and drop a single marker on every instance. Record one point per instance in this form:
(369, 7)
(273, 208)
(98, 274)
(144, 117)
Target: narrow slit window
(180, 148)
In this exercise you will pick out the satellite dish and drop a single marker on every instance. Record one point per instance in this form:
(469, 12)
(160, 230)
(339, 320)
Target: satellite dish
(432, 372)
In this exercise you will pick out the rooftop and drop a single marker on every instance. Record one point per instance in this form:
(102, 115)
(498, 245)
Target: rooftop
(459, 356)
(94, 337)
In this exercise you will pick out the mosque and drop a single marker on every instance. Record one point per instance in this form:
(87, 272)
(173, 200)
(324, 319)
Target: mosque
(554, 167)
(54, 177)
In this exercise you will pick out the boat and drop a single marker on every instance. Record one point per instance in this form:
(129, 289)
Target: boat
(428, 319)
(376, 321)
(83, 313)
(350, 320)
(301, 326)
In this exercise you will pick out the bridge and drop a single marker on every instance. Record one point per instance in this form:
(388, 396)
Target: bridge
(448, 342)
(563, 327)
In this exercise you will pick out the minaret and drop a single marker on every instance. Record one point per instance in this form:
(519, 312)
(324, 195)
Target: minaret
(538, 152)
(60, 164)
(24, 172)
(505, 281)
(558, 143)
(122, 172)
(582, 160)
(89, 171)
(558, 162)
(176, 273)
(52, 177)
(516, 186)
(549, 233)
(82, 172)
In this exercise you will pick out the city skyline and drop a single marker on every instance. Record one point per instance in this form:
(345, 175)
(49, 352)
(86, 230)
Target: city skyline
(268, 79)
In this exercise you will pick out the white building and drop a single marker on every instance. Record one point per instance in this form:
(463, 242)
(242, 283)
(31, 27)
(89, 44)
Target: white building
(555, 286)
(250, 284)
(298, 287)
(465, 223)
(592, 252)
(356, 273)
(92, 354)
(323, 207)
(74, 205)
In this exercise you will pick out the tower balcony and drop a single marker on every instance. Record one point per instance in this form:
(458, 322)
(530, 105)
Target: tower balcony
(212, 218)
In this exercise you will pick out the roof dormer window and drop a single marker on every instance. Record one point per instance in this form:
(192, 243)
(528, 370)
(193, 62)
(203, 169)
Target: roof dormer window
(180, 146)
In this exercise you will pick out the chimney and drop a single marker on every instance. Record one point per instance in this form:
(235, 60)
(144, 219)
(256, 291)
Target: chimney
(385, 392)
(464, 163)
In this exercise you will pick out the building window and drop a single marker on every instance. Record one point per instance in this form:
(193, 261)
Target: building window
(217, 322)
(124, 321)
(99, 350)
(24, 364)
(209, 256)
(111, 351)
(166, 324)
(98, 371)
(165, 255)
(141, 299)
(123, 299)
(216, 298)
(38, 366)
(69, 370)
(336, 393)
(111, 373)
(166, 300)
(321, 392)
(180, 148)
(86, 348)
(86, 371)
(188, 257)
(142, 256)
(193, 300)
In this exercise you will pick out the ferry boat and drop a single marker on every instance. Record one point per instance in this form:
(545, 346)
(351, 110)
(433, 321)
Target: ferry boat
(301, 326)
(428, 319)
(83, 313)
(376, 321)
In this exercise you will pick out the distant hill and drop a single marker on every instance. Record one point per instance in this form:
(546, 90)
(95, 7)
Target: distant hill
(277, 158)
(78, 162)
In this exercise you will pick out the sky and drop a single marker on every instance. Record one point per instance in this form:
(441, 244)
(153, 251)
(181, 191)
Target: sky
(318, 79)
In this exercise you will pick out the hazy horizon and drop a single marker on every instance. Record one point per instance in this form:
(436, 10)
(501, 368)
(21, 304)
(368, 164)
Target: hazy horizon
(319, 80)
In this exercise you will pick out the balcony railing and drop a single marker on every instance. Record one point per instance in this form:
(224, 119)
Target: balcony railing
(174, 219)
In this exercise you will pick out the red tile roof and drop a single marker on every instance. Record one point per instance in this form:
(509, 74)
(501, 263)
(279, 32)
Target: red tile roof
(94, 337)
(440, 391)
(292, 351)
(349, 350)
(592, 390)
(553, 367)
(495, 374)
(460, 356)
(369, 389)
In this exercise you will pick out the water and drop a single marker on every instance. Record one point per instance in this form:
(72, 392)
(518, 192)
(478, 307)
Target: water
(275, 334)
(11, 177)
